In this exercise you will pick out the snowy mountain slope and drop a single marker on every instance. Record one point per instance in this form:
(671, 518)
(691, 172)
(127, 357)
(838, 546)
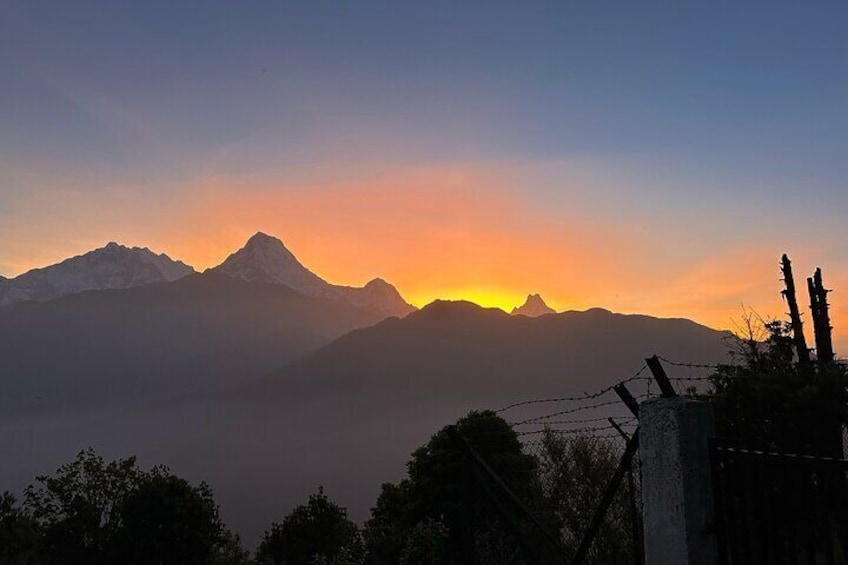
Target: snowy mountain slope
(111, 267)
(265, 259)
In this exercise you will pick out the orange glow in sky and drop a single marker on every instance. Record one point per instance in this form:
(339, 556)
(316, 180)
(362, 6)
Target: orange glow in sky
(443, 232)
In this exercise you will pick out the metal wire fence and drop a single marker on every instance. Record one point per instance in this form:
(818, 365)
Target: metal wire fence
(576, 444)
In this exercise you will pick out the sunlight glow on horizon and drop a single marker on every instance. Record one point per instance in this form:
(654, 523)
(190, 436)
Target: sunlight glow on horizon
(458, 232)
(487, 297)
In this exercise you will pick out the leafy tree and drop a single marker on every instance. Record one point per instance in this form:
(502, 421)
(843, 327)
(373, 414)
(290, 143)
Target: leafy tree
(775, 397)
(435, 490)
(348, 555)
(91, 512)
(317, 532)
(75, 509)
(166, 520)
(229, 551)
(19, 534)
(427, 544)
(767, 399)
(574, 473)
(392, 519)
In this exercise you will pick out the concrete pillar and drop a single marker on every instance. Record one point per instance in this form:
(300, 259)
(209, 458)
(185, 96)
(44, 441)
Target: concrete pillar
(676, 488)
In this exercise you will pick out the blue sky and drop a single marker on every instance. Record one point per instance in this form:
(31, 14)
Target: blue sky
(753, 92)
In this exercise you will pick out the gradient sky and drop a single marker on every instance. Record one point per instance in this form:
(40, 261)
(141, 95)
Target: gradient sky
(652, 157)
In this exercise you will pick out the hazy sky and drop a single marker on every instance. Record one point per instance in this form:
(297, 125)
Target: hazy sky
(645, 156)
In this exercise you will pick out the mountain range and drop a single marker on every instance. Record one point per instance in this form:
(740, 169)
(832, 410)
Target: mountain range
(266, 381)
(110, 349)
(110, 267)
(121, 326)
(263, 259)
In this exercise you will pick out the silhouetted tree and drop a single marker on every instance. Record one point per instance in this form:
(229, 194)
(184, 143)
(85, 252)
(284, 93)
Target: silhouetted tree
(317, 532)
(435, 491)
(772, 397)
(19, 534)
(75, 508)
(91, 512)
(766, 399)
(574, 472)
(166, 520)
(427, 544)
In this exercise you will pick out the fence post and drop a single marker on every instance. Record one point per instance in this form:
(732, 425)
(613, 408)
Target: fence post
(676, 481)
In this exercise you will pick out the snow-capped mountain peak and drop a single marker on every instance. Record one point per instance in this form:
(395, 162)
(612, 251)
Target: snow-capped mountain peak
(110, 267)
(264, 258)
(534, 306)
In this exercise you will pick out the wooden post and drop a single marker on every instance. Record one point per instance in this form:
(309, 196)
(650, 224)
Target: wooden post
(627, 398)
(618, 428)
(606, 500)
(794, 313)
(659, 375)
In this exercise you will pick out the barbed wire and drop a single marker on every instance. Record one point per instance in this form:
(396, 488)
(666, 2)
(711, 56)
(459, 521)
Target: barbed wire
(571, 431)
(569, 411)
(688, 364)
(536, 444)
(577, 421)
(578, 430)
(551, 418)
(703, 378)
(586, 429)
(585, 396)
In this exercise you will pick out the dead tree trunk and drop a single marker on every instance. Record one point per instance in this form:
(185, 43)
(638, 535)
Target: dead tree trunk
(821, 319)
(794, 313)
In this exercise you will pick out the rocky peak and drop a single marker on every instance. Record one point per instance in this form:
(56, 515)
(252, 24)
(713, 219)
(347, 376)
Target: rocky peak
(379, 295)
(264, 258)
(534, 306)
(113, 266)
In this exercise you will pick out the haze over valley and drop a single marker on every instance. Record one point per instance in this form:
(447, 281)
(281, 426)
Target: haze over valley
(265, 380)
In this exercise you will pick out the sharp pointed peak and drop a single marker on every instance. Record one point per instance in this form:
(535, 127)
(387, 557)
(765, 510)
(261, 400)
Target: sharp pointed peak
(265, 246)
(264, 258)
(263, 238)
(534, 305)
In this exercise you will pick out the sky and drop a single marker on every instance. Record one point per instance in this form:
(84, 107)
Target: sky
(651, 157)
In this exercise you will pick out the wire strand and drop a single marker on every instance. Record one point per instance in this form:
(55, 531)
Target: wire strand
(585, 396)
(569, 411)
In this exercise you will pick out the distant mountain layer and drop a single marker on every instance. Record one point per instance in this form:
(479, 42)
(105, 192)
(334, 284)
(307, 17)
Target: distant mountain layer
(487, 357)
(348, 415)
(113, 348)
(110, 267)
(532, 307)
(266, 259)
(262, 259)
